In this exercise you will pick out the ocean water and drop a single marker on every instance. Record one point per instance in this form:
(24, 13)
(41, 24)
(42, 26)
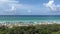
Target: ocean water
(29, 18)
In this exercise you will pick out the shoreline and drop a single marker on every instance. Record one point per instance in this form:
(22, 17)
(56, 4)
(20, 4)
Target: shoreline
(28, 23)
(10, 25)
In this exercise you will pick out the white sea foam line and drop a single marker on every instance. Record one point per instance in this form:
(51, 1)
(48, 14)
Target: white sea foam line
(33, 22)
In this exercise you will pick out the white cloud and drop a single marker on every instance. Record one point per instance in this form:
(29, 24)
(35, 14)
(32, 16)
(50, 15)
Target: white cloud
(13, 6)
(52, 6)
(7, 5)
(29, 11)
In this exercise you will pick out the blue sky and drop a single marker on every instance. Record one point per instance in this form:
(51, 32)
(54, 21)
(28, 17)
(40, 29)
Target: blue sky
(29, 7)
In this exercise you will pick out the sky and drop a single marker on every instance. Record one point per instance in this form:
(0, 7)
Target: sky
(29, 7)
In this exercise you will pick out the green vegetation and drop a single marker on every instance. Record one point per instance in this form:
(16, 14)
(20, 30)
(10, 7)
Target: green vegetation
(37, 29)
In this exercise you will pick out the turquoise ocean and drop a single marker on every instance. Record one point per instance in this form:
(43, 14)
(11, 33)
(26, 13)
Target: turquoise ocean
(29, 18)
